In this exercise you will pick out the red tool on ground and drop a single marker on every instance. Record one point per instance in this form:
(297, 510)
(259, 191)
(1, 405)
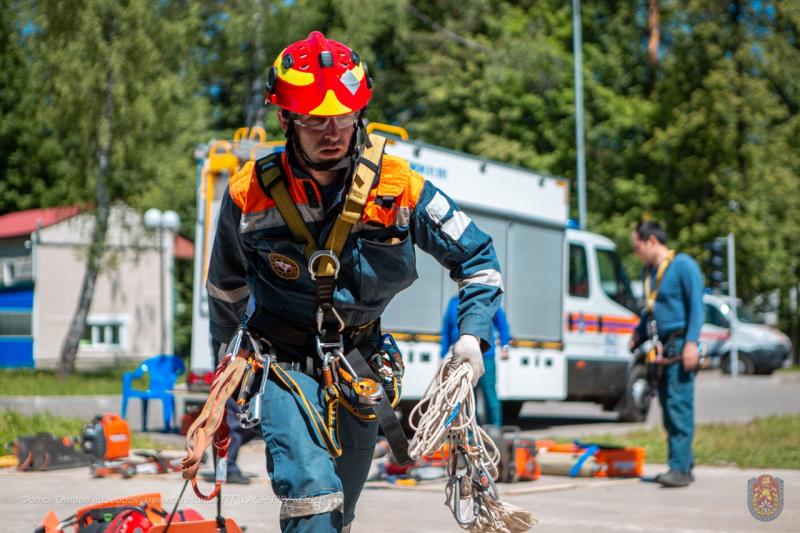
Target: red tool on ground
(140, 513)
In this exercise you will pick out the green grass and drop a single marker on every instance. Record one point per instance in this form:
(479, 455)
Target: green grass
(770, 442)
(33, 382)
(13, 425)
(793, 368)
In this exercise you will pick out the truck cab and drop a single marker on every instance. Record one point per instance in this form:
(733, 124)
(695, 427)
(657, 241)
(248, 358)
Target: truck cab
(600, 315)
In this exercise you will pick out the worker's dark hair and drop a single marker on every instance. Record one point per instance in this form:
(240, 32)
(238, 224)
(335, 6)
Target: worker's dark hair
(646, 228)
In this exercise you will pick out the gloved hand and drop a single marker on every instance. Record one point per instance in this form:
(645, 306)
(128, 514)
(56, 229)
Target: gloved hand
(467, 349)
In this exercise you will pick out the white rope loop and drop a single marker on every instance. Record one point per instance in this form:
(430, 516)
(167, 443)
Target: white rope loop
(446, 414)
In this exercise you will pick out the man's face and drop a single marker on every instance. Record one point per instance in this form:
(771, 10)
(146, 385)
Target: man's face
(323, 139)
(644, 249)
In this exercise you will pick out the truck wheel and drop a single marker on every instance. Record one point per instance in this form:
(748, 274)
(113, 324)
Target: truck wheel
(511, 409)
(746, 365)
(635, 402)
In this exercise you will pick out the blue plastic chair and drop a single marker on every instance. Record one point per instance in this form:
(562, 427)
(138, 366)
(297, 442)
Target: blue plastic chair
(163, 371)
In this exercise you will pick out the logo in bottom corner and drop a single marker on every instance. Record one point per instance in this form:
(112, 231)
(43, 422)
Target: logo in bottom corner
(284, 267)
(765, 497)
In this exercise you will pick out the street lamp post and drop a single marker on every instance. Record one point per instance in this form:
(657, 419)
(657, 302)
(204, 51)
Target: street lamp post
(161, 221)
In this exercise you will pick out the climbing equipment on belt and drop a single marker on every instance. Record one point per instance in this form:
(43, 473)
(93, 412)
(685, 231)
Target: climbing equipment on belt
(445, 418)
(239, 367)
(357, 389)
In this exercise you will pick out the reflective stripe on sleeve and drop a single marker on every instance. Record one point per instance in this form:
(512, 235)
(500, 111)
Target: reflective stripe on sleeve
(271, 218)
(231, 296)
(456, 225)
(438, 207)
(490, 277)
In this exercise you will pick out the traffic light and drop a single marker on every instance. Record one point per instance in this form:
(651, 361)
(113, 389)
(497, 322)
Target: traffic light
(715, 263)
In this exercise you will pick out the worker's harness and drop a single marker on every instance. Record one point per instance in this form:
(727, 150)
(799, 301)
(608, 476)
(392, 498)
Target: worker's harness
(655, 355)
(358, 384)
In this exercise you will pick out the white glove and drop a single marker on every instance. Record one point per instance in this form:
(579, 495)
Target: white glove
(467, 349)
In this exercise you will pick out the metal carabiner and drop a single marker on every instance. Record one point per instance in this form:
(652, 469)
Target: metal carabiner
(453, 499)
(485, 481)
(333, 348)
(316, 256)
(321, 318)
(250, 416)
(236, 345)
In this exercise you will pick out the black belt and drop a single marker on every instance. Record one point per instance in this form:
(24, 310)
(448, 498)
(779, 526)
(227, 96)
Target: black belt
(672, 335)
(275, 329)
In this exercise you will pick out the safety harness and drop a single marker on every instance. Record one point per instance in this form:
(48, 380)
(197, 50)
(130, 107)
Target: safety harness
(349, 380)
(655, 355)
(341, 373)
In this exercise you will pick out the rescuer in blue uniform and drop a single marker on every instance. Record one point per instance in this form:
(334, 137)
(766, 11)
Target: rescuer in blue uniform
(674, 290)
(260, 271)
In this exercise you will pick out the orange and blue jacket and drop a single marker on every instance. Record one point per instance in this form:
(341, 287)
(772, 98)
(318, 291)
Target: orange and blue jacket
(256, 257)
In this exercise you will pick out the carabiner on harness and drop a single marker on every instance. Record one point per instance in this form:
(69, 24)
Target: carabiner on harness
(250, 416)
(319, 254)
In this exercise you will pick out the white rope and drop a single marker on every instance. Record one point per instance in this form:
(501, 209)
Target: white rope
(446, 414)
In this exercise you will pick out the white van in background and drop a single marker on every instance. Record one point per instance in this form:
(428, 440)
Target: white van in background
(762, 349)
(567, 298)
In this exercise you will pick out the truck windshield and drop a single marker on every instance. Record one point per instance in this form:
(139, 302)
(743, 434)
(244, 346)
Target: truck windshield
(613, 279)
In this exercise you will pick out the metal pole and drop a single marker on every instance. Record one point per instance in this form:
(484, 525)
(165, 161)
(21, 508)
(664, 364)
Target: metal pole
(577, 43)
(732, 304)
(170, 293)
(161, 284)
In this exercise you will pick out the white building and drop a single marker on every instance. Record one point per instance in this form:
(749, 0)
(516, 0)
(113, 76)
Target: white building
(42, 265)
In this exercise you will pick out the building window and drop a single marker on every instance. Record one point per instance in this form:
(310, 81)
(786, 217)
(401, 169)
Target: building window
(104, 333)
(578, 272)
(15, 323)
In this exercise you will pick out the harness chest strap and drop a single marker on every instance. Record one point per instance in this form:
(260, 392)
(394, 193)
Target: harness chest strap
(271, 176)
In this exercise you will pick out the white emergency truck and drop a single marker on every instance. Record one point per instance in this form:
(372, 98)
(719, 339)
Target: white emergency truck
(567, 298)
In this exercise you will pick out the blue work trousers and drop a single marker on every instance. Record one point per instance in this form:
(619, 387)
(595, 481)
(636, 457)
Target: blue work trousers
(676, 395)
(488, 386)
(317, 494)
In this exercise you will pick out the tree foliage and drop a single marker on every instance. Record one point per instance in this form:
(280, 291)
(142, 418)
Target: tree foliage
(704, 139)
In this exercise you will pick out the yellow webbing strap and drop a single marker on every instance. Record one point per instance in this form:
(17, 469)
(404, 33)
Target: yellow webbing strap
(651, 296)
(322, 430)
(354, 203)
(269, 172)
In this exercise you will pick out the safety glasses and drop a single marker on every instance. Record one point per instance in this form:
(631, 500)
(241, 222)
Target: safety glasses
(318, 123)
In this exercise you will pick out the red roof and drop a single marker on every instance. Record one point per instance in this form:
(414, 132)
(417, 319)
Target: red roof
(184, 248)
(23, 223)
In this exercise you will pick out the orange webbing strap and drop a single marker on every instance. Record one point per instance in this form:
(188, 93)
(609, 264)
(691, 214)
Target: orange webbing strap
(210, 424)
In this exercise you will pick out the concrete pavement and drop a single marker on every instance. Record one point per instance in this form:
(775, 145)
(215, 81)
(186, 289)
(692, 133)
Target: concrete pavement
(716, 502)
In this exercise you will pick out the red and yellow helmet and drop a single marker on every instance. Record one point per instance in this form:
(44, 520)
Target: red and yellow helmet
(318, 76)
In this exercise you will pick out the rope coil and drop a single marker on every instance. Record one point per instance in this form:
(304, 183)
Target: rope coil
(446, 417)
